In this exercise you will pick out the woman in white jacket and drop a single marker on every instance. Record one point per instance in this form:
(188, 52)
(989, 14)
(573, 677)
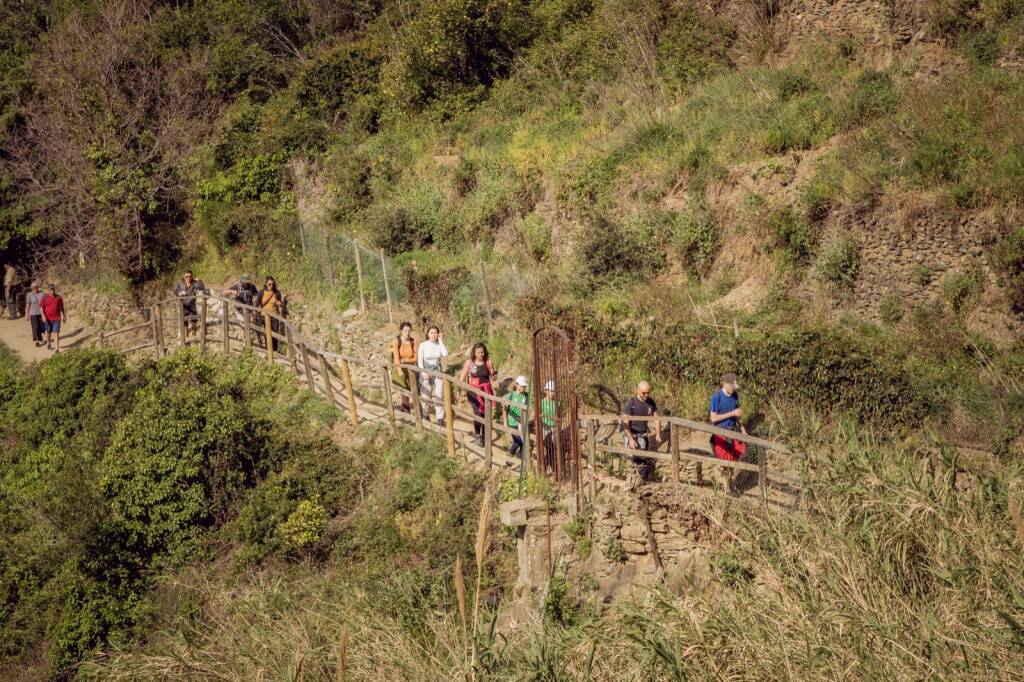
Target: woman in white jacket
(429, 357)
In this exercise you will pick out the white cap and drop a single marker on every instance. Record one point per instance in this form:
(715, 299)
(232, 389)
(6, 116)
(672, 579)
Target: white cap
(550, 385)
(521, 381)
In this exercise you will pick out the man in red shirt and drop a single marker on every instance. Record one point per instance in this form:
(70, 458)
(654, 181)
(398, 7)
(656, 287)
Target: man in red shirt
(53, 315)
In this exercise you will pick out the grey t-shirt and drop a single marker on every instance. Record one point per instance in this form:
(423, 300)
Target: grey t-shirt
(32, 300)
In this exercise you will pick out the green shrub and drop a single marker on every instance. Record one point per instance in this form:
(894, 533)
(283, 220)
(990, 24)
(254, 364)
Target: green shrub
(467, 310)
(922, 275)
(873, 96)
(611, 550)
(536, 235)
(696, 237)
(337, 79)
(839, 264)
(693, 44)
(794, 235)
(963, 288)
(611, 249)
(304, 527)
(890, 309)
(465, 176)
(800, 123)
(1007, 259)
(819, 196)
(560, 606)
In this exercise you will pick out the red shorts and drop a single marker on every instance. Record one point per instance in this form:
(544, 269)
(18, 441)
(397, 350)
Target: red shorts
(728, 448)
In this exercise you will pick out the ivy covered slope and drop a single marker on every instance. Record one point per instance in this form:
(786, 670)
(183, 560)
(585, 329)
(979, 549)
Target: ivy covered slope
(119, 479)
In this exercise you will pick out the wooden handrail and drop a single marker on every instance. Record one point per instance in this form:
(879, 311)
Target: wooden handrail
(338, 365)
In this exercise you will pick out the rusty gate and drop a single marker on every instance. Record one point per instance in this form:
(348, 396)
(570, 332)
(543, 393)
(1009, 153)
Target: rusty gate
(554, 403)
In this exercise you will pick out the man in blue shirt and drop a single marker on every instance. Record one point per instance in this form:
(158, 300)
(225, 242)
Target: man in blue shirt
(726, 414)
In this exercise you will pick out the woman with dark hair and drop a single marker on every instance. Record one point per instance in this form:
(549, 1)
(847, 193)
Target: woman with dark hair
(479, 371)
(271, 301)
(403, 352)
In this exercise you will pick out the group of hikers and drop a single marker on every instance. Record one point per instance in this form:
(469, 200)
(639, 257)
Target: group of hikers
(43, 308)
(243, 292)
(479, 372)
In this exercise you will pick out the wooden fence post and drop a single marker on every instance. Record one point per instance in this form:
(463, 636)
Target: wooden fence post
(290, 340)
(156, 331)
(359, 276)
(524, 434)
(226, 331)
(267, 329)
(592, 457)
(346, 374)
(160, 350)
(202, 323)
(488, 431)
(309, 367)
(326, 371)
(181, 321)
(387, 285)
(449, 417)
(673, 437)
(762, 474)
(416, 404)
(99, 341)
(247, 328)
(388, 397)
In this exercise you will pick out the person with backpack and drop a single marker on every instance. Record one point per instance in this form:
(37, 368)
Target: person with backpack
(52, 306)
(479, 371)
(403, 352)
(271, 301)
(726, 414)
(244, 292)
(429, 356)
(514, 416)
(34, 312)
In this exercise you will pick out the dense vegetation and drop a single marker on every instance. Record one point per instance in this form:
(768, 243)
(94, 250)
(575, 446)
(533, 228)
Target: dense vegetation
(116, 476)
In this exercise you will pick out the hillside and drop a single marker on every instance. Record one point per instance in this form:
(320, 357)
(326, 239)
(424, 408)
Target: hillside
(824, 196)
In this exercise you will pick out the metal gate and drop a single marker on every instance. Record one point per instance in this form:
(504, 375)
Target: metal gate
(554, 403)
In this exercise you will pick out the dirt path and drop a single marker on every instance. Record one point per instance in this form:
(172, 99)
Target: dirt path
(17, 335)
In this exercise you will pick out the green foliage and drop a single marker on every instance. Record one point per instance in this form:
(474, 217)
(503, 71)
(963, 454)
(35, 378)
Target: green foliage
(560, 605)
(890, 308)
(612, 249)
(696, 237)
(254, 179)
(839, 264)
(1007, 257)
(694, 44)
(611, 550)
(794, 235)
(800, 123)
(962, 289)
(304, 527)
(873, 95)
(536, 235)
(922, 275)
(467, 310)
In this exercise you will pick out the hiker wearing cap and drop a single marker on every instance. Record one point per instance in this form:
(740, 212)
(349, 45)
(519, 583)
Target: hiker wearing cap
(479, 372)
(34, 312)
(518, 396)
(403, 352)
(187, 289)
(637, 435)
(726, 414)
(52, 306)
(244, 292)
(428, 356)
(10, 279)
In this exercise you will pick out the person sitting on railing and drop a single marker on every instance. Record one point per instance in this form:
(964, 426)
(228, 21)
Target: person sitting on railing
(479, 370)
(637, 435)
(726, 414)
(403, 352)
(187, 289)
(271, 301)
(245, 293)
(514, 416)
(428, 357)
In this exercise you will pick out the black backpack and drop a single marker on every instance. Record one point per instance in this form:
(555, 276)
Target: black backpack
(246, 294)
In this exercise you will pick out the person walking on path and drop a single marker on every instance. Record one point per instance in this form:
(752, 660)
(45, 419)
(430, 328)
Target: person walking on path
(187, 289)
(34, 312)
(428, 357)
(479, 371)
(548, 418)
(514, 417)
(10, 279)
(403, 352)
(271, 301)
(52, 306)
(637, 435)
(244, 292)
(726, 414)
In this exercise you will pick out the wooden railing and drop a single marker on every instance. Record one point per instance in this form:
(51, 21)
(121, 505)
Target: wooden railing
(231, 327)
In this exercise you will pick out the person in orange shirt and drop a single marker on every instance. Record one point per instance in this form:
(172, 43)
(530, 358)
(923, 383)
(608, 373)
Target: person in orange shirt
(403, 352)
